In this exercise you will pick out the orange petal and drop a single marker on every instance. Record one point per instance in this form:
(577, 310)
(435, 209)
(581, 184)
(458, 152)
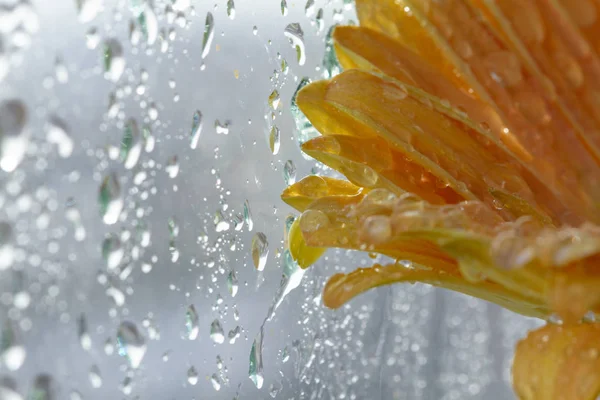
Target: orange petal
(558, 363)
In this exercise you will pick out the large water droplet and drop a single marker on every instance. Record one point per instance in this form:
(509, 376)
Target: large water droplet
(110, 199)
(112, 251)
(114, 62)
(95, 377)
(196, 129)
(209, 33)
(14, 138)
(232, 283)
(216, 332)
(84, 336)
(191, 322)
(192, 376)
(289, 172)
(248, 215)
(274, 140)
(131, 343)
(131, 144)
(230, 9)
(295, 34)
(57, 133)
(255, 370)
(88, 9)
(260, 250)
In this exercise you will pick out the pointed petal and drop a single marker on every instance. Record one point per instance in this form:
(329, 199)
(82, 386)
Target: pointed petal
(302, 193)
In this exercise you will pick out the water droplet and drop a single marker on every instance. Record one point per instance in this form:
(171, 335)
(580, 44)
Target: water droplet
(319, 20)
(274, 140)
(57, 133)
(172, 167)
(196, 129)
(209, 33)
(131, 145)
(110, 199)
(233, 335)
(221, 225)
(74, 395)
(274, 391)
(285, 355)
(304, 128)
(295, 34)
(60, 71)
(216, 383)
(88, 9)
(12, 353)
(84, 336)
(131, 343)
(95, 377)
(248, 215)
(149, 25)
(14, 138)
(255, 370)
(289, 172)
(230, 9)
(112, 251)
(216, 332)
(274, 100)
(222, 128)
(309, 9)
(109, 348)
(149, 140)
(127, 386)
(173, 227)
(232, 283)
(192, 376)
(6, 247)
(114, 62)
(284, 8)
(260, 250)
(191, 322)
(92, 38)
(43, 388)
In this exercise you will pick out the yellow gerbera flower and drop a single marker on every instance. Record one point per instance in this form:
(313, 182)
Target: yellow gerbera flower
(469, 131)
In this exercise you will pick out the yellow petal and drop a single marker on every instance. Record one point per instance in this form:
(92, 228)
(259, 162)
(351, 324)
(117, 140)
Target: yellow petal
(302, 193)
(558, 363)
(304, 255)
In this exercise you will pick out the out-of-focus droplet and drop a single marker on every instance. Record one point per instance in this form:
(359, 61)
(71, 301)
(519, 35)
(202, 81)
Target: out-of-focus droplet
(148, 139)
(92, 38)
(260, 250)
(196, 129)
(131, 343)
(192, 376)
(131, 144)
(95, 377)
(234, 334)
(43, 388)
(221, 224)
(216, 383)
(274, 140)
(109, 348)
(230, 9)
(127, 386)
(285, 355)
(191, 323)
(58, 134)
(255, 370)
(112, 251)
(149, 25)
(173, 227)
(274, 100)
(209, 33)
(60, 71)
(248, 215)
(319, 20)
(88, 9)
(113, 59)
(14, 137)
(84, 336)
(172, 167)
(309, 9)
(289, 172)
(74, 395)
(216, 332)
(181, 5)
(8, 390)
(284, 8)
(12, 353)
(110, 199)
(295, 34)
(221, 128)
(232, 283)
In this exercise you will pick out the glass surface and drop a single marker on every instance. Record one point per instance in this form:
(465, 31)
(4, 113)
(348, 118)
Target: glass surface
(147, 132)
